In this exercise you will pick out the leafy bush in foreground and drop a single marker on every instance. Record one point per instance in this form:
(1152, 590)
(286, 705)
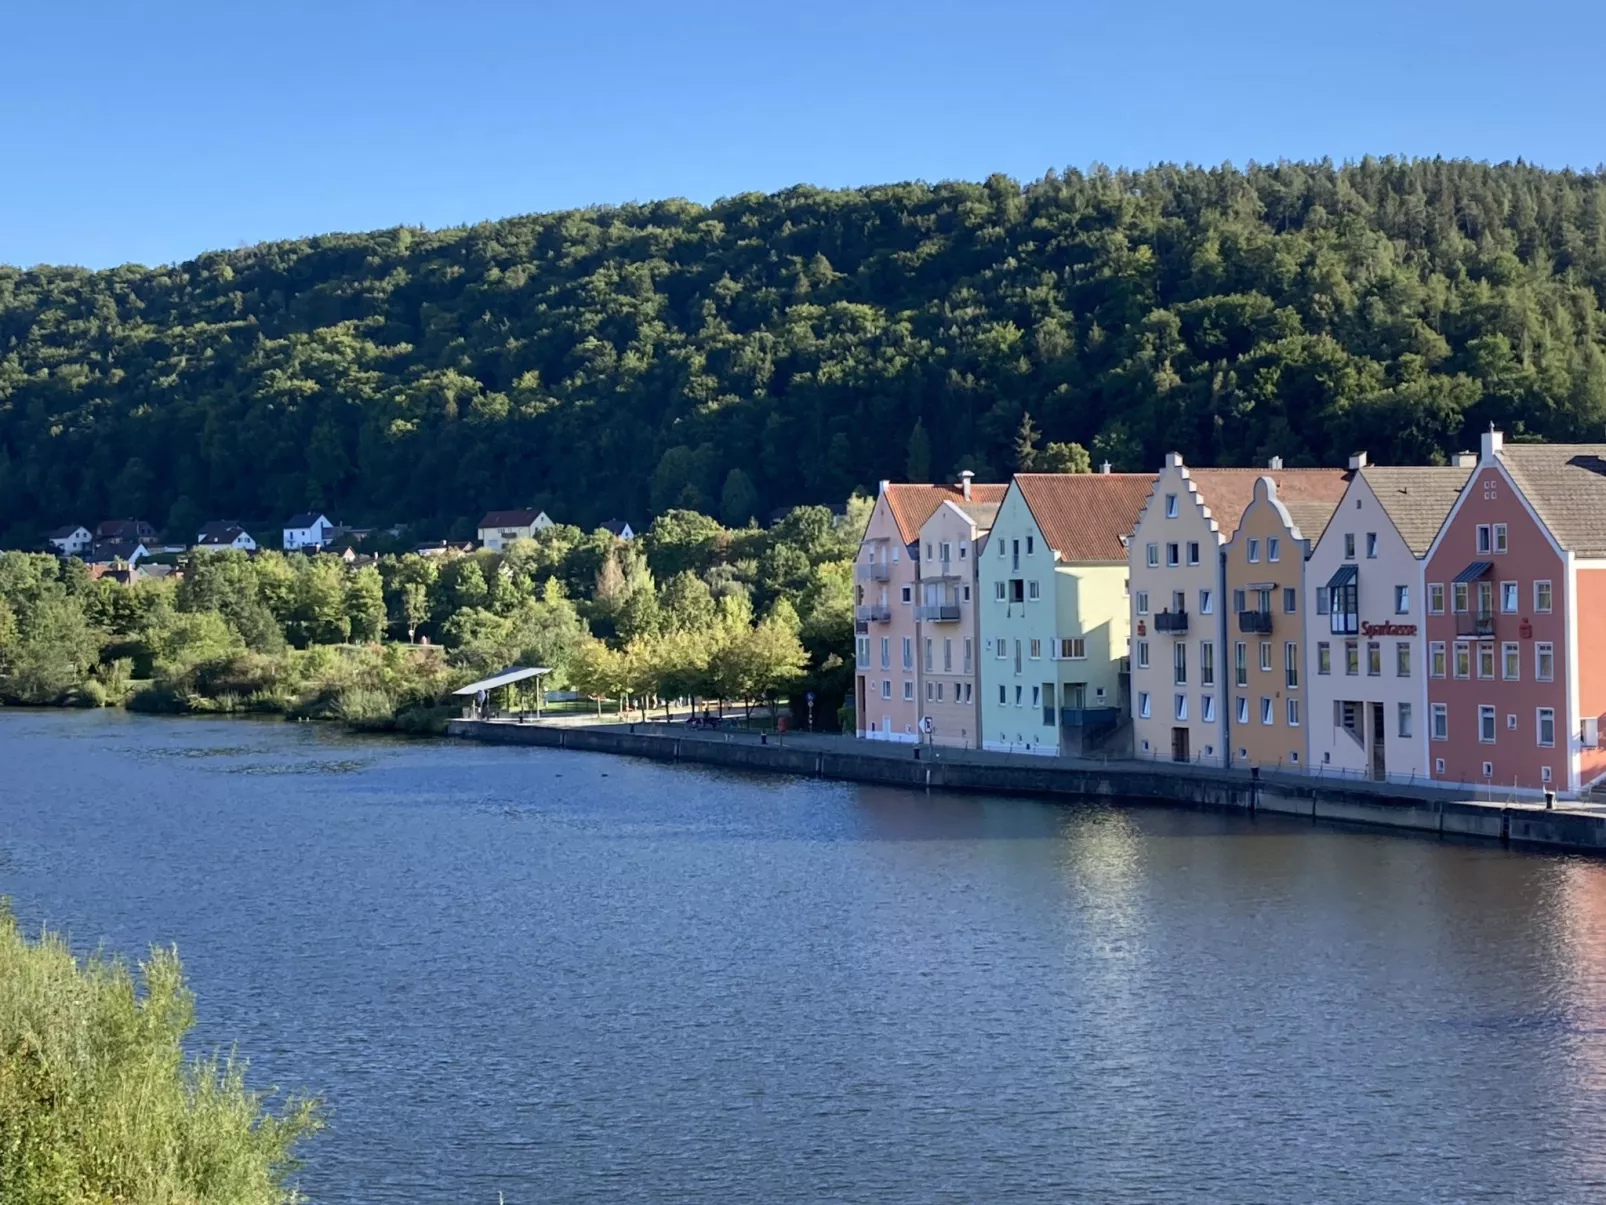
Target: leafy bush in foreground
(98, 1103)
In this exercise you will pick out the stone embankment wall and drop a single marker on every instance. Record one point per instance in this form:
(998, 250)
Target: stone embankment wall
(1578, 830)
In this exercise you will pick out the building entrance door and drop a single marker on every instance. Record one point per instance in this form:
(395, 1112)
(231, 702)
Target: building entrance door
(1379, 761)
(1179, 744)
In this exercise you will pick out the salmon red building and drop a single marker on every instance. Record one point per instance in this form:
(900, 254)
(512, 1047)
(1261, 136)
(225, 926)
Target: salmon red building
(1516, 595)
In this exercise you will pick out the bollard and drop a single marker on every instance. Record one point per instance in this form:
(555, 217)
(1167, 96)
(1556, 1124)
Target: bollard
(763, 738)
(1550, 800)
(917, 752)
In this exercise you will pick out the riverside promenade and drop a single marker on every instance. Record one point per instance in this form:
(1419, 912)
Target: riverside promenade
(1423, 808)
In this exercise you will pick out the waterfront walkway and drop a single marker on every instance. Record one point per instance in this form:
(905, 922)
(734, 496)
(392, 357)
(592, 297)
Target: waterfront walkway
(1421, 790)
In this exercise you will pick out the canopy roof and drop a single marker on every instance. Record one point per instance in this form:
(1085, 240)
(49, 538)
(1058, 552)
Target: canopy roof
(506, 678)
(1474, 571)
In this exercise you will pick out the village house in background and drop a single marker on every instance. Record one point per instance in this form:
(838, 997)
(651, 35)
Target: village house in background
(72, 540)
(1516, 586)
(224, 534)
(116, 552)
(619, 528)
(307, 532)
(1265, 592)
(949, 544)
(1366, 654)
(886, 579)
(499, 528)
(114, 531)
(1055, 613)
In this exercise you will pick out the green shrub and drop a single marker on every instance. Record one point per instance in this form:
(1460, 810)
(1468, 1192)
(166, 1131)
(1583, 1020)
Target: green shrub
(98, 1103)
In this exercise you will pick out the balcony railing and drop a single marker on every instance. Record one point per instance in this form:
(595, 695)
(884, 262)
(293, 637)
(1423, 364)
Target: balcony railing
(1088, 717)
(1172, 621)
(938, 613)
(873, 613)
(873, 571)
(1474, 623)
(1254, 623)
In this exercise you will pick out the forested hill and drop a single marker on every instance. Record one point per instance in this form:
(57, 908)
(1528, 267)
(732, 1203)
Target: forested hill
(769, 350)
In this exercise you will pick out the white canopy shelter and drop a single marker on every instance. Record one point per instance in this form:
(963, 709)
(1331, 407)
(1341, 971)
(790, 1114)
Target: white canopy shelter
(506, 678)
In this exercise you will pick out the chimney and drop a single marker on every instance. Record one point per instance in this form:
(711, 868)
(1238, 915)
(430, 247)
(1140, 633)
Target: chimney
(1105, 468)
(1493, 441)
(964, 483)
(1173, 460)
(1276, 462)
(1357, 461)
(1466, 460)
(884, 485)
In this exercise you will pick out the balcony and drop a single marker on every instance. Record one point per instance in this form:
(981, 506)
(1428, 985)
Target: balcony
(1175, 622)
(1088, 717)
(872, 571)
(938, 613)
(1254, 623)
(873, 613)
(1475, 623)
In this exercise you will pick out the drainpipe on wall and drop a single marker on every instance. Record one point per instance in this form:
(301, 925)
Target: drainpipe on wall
(1224, 660)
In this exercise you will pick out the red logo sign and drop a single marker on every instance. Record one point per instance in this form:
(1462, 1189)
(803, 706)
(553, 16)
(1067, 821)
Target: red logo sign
(1388, 629)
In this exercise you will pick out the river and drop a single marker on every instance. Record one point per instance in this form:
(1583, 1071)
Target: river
(564, 977)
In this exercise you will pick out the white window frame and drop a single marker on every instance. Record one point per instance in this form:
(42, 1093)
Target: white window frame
(1439, 722)
(1438, 655)
(1033, 591)
(1539, 727)
(1243, 709)
(1500, 539)
(1510, 661)
(1142, 598)
(1405, 722)
(1179, 705)
(1402, 600)
(1154, 556)
(1435, 598)
(1274, 549)
(1207, 602)
(1143, 705)
(1549, 597)
(1541, 649)
(1143, 654)
(1488, 712)
(1254, 551)
(1291, 706)
(1508, 594)
(1267, 716)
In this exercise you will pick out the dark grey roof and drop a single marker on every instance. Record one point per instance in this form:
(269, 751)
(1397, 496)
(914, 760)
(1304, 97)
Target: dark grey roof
(111, 550)
(305, 520)
(1417, 499)
(62, 533)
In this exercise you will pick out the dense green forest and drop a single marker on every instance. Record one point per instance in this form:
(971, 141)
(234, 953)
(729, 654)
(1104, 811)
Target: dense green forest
(770, 350)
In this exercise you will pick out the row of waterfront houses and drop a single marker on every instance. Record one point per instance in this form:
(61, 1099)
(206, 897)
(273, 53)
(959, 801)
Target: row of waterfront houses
(1443, 623)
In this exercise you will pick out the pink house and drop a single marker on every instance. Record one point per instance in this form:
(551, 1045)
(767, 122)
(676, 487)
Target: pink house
(1515, 593)
(886, 590)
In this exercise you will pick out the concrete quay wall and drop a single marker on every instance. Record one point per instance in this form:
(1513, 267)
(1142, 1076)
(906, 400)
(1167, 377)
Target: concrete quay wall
(1523, 824)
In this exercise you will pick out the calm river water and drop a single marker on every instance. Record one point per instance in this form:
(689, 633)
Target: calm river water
(569, 978)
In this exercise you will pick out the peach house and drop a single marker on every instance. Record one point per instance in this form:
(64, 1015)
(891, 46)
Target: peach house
(946, 609)
(1516, 588)
(1265, 593)
(886, 584)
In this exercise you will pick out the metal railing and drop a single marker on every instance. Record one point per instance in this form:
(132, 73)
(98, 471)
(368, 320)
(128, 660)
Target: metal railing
(873, 613)
(1255, 622)
(873, 571)
(937, 612)
(1474, 623)
(1171, 621)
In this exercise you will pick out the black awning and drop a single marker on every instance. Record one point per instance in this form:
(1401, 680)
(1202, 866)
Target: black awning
(1344, 577)
(1474, 571)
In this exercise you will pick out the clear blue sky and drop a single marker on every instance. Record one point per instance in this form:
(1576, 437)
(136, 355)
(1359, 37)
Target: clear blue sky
(150, 132)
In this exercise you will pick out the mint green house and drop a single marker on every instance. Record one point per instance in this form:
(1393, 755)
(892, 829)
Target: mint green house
(1054, 612)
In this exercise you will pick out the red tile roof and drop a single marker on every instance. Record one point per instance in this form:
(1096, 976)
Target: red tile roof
(1084, 516)
(912, 505)
(1228, 492)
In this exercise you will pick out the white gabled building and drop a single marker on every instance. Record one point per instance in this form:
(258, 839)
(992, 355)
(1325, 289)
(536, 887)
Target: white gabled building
(1367, 661)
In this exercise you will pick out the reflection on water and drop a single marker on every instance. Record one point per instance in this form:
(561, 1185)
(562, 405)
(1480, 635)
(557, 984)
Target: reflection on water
(569, 978)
